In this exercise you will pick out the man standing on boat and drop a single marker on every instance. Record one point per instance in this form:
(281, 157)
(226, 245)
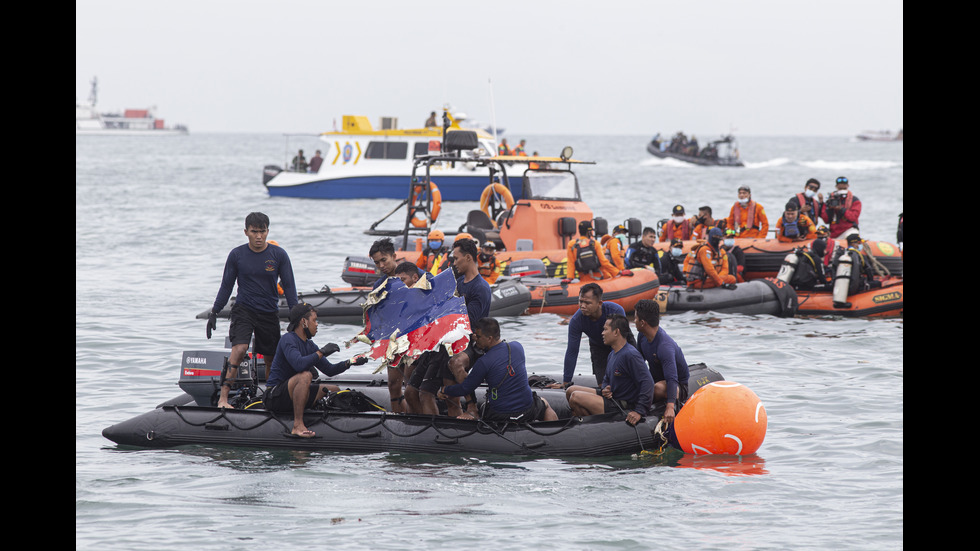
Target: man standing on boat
(435, 368)
(589, 319)
(665, 358)
(627, 385)
(257, 267)
(315, 162)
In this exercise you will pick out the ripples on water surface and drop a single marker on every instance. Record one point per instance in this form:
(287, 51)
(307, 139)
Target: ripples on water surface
(156, 217)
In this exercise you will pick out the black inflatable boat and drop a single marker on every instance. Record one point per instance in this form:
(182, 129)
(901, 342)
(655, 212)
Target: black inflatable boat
(509, 297)
(184, 421)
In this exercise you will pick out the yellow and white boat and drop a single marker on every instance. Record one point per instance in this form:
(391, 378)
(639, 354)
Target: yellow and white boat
(360, 161)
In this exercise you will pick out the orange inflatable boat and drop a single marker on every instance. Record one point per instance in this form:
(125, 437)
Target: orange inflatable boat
(880, 302)
(763, 257)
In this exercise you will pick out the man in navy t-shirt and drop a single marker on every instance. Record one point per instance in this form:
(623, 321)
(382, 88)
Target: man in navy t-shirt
(665, 358)
(627, 386)
(589, 319)
(257, 267)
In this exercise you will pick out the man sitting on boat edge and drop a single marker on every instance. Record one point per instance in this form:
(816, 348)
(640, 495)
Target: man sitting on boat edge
(290, 384)
(627, 386)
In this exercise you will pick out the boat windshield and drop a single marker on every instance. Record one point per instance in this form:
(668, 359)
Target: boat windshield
(560, 185)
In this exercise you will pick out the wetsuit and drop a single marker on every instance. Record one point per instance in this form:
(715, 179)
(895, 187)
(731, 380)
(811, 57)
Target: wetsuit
(639, 255)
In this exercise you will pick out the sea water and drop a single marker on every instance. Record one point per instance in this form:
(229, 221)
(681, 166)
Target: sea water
(156, 217)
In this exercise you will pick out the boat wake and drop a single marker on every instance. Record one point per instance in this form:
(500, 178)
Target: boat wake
(851, 165)
(778, 161)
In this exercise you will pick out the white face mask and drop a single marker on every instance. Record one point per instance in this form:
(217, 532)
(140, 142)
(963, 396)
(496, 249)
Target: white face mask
(678, 219)
(729, 242)
(677, 252)
(809, 193)
(744, 201)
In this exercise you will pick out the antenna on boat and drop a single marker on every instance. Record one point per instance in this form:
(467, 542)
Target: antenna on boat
(493, 115)
(92, 96)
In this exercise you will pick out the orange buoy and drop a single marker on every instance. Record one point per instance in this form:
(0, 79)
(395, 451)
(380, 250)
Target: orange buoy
(723, 417)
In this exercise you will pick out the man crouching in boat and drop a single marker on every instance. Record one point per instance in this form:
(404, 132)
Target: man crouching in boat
(290, 385)
(509, 397)
(627, 385)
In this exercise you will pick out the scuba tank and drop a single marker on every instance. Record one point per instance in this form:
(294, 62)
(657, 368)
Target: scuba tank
(788, 268)
(842, 280)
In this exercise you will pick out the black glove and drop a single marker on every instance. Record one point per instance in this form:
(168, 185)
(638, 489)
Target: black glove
(212, 323)
(329, 349)
(359, 360)
(729, 286)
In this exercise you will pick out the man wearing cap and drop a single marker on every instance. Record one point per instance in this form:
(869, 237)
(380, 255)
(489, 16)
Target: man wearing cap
(257, 267)
(747, 217)
(678, 226)
(487, 262)
(290, 387)
(842, 210)
(586, 258)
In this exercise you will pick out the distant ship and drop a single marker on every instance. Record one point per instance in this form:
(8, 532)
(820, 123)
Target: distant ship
(882, 136)
(131, 122)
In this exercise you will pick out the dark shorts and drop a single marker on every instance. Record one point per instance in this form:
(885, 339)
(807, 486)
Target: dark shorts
(432, 368)
(610, 406)
(533, 413)
(264, 325)
(278, 399)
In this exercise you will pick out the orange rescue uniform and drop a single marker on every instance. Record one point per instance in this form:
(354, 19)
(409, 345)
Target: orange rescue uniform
(606, 269)
(715, 268)
(748, 221)
(803, 222)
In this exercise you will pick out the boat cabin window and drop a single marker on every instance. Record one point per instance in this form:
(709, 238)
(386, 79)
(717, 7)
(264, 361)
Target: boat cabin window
(551, 185)
(421, 148)
(386, 150)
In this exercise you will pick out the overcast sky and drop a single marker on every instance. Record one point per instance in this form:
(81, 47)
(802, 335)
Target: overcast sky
(762, 67)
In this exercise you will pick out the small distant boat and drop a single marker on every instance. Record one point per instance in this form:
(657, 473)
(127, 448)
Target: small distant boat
(131, 122)
(361, 162)
(881, 136)
(720, 152)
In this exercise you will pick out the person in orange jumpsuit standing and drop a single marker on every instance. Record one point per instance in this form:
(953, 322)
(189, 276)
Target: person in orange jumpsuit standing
(586, 257)
(706, 266)
(747, 217)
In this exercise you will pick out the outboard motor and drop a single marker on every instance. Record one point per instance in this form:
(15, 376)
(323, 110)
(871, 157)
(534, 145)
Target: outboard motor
(526, 267)
(360, 271)
(842, 281)
(269, 172)
(788, 268)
